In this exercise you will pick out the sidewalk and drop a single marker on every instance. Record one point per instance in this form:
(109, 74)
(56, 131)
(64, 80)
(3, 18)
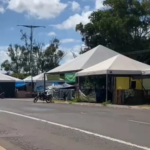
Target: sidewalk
(108, 105)
(146, 107)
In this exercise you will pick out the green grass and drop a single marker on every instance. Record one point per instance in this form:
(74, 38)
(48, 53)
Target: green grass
(106, 103)
(76, 100)
(53, 101)
(83, 100)
(145, 105)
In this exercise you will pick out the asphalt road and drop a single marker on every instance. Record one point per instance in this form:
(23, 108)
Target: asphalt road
(28, 126)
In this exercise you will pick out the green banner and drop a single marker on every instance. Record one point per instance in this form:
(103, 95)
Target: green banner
(70, 77)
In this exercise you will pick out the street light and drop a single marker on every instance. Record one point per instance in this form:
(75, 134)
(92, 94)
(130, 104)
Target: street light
(31, 44)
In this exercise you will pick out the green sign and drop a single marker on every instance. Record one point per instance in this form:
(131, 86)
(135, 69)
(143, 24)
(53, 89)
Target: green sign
(53, 77)
(70, 77)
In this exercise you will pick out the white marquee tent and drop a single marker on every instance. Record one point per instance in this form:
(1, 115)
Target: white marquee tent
(146, 72)
(88, 59)
(118, 65)
(6, 78)
(39, 77)
(59, 68)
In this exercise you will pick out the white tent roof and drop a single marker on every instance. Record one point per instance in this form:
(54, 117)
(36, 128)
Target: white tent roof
(39, 77)
(88, 59)
(146, 72)
(59, 68)
(119, 64)
(6, 78)
(27, 78)
(16, 79)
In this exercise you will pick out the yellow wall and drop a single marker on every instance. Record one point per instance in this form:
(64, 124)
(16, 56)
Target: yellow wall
(138, 83)
(124, 83)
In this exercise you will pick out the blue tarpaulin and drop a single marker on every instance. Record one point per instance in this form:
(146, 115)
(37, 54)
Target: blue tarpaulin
(20, 84)
(40, 87)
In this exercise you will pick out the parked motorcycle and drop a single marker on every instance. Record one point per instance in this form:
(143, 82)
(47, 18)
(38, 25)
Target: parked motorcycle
(44, 96)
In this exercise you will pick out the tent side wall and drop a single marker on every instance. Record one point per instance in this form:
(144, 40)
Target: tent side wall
(146, 84)
(8, 88)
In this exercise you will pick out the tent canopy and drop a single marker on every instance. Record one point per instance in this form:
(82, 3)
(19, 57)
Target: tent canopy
(16, 79)
(119, 65)
(6, 78)
(39, 77)
(146, 72)
(27, 78)
(88, 59)
(59, 68)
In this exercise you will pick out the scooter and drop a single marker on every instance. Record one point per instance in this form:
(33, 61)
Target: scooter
(44, 96)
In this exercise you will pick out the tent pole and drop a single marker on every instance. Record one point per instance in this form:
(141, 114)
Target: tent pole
(78, 89)
(106, 87)
(44, 82)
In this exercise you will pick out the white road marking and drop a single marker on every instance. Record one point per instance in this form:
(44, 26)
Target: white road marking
(139, 122)
(77, 129)
(21, 100)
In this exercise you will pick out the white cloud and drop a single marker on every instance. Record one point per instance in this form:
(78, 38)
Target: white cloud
(99, 4)
(2, 10)
(86, 8)
(72, 21)
(41, 9)
(69, 53)
(75, 6)
(83, 18)
(3, 54)
(69, 41)
(52, 34)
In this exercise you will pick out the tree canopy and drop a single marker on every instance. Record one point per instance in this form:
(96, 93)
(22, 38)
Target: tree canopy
(41, 59)
(123, 25)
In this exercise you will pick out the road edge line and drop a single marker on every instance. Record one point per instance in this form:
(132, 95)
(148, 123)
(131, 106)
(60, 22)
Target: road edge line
(2, 148)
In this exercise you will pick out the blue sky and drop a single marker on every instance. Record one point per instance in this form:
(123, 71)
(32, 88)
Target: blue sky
(59, 17)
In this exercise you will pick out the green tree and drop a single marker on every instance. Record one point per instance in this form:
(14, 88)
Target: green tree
(41, 59)
(6, 65)
(16, 54)
(20, 75)
(123, 26)
(52, 55)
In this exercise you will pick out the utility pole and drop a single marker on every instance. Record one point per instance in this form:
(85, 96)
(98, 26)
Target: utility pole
(31, 50)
